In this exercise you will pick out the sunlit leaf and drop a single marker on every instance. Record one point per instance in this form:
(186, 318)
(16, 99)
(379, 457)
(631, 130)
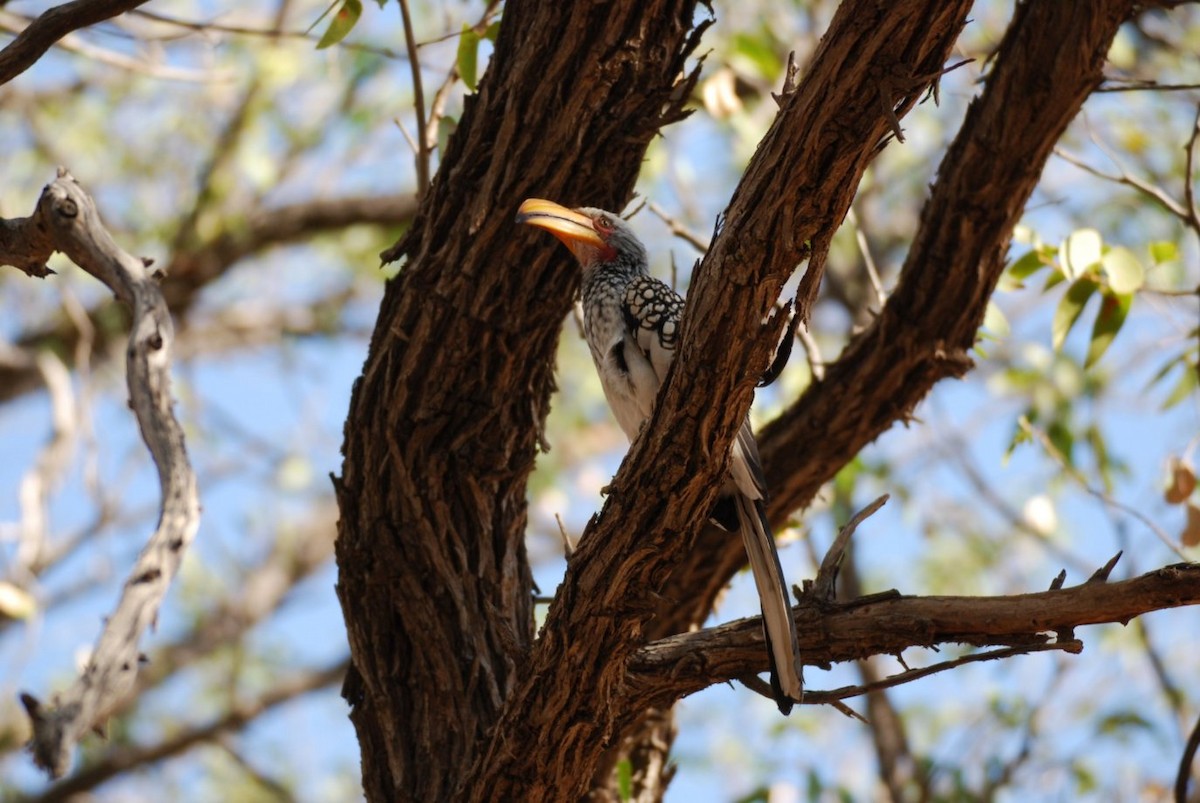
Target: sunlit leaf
(1079, 252)
(1069, 309)
(1164, 251)
(468, 56)
(1020, 434)
(1114, 308)
(1063, 439)
(994, 322)
(1125, 273)
(342, 23)
(1056, 277)
(16, 602)
(1027, 265)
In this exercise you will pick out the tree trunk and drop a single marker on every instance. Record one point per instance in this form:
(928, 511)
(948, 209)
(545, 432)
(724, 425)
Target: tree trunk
(450, 695)
(445, 422)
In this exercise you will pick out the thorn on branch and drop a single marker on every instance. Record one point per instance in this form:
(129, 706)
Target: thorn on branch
(1057, 583)
(789, 80)
(1101, 574)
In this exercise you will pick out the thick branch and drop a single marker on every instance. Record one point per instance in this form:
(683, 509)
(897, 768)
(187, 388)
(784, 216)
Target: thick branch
(683, 664)
(66, 219)
(875, 60)
(929, 324)
(446, 420)
(32, 43)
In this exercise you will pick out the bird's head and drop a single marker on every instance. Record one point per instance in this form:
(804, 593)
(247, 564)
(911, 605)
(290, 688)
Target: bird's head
(594, 236)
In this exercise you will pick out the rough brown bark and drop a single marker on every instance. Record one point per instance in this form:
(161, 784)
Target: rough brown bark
(1048, 63)
(444, 424)
(888, 626)
(874, 63)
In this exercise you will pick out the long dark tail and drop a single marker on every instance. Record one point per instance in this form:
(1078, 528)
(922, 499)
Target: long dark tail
(787, 680)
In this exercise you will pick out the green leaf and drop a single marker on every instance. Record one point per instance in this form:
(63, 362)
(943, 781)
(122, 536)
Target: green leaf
(757, 50)
(445, 128)
(1079, 252)
(1114, 307)
(994, 322)
(468, 56)
(1027, 265)
(625, 779)
(1063, 439)
(1187, 384)
(1069, 308)
(1056, 277)
(382, 3)
(1125, 720)
(1164, 251)
(492, 32)
(342, 23)
(1125, 273)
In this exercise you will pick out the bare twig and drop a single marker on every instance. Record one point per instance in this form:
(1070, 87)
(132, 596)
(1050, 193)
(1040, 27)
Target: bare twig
(269, 33)
(868, 260)
(32, 43)
(812, 352)
(1144, 86)
(1155, 193)
(1189, 192)
(679, 230)
(418, 101)
(200, 264)
(66, 220)
(1185, 765)
(73, 43)
(846, 692)
(823, 585)
(1100, 494)
(237, 717)
(48, 469)
(682, 664)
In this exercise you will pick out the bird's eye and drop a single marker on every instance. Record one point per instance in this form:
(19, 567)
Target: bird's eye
(604, 225)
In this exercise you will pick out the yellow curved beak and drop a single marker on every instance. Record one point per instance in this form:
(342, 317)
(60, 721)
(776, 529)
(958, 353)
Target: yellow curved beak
(566, 224)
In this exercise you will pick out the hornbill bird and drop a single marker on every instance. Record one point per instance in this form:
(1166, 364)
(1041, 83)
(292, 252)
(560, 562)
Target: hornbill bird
(631, 322)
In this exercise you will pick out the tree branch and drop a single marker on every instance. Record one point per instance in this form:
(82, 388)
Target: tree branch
(66, 220)
(796, 191)
(929, 324)
(441, 440)
(32, 43)
(192, 269)
(683, 664)
(237, 717)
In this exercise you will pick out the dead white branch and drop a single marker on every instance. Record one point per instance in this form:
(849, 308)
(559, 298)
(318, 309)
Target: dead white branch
(66, 220)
